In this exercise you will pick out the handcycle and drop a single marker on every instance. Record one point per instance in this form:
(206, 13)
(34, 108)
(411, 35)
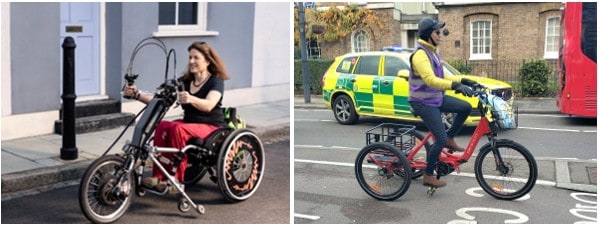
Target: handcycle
(395, 154)
(234, 158)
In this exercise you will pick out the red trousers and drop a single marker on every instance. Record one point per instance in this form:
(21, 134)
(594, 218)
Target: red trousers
(175, 134)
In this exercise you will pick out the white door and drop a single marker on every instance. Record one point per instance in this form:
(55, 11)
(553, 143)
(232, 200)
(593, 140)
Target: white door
(80, 20)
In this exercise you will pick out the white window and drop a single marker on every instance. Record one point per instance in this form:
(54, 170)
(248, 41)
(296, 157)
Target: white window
(481, 40)
(552, 38)
(183, 19)
(360, 41)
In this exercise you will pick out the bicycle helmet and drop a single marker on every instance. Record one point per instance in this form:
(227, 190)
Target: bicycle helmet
(427, 26)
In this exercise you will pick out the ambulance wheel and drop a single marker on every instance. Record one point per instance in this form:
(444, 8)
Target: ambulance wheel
(447, 119)
(344, 110)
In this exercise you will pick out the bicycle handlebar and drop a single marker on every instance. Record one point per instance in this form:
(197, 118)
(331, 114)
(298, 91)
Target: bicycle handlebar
(477, 89)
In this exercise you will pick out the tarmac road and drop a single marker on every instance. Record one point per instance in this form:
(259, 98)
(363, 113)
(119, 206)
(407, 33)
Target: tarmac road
(269, 205)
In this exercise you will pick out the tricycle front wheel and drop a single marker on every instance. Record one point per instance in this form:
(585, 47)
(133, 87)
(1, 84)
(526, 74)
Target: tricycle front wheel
(507, 174)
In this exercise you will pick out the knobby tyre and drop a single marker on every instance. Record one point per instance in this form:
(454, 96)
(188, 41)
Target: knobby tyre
(382, 171)
(241, 165)
(513, 182)
(96, 198)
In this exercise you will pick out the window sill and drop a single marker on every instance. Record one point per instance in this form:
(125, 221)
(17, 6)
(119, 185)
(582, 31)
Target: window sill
(553, 56)
(481, 58)
(184, 33)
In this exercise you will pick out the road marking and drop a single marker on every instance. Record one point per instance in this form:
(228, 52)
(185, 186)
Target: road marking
(538, 182)
(325, 162)
(474, 155)
(559, 130)
(472, 192)
(544, 115)
(305, 216)
(470, 219)
(313, 120)
(324, 147)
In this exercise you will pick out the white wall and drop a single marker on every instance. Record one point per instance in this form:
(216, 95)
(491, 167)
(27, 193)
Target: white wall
(5, 57)
(271, 48)
(271, 68)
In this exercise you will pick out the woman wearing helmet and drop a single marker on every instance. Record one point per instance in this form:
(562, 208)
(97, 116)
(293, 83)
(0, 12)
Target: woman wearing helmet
(426, 95)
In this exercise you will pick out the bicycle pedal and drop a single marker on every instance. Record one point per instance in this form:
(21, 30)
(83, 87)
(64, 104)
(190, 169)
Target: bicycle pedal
(450, 149)
(431, 191)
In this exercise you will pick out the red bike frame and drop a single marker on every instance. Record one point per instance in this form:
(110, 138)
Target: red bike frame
(457, 159)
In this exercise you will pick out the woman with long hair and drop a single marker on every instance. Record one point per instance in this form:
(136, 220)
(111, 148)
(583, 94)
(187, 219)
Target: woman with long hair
(201, 99)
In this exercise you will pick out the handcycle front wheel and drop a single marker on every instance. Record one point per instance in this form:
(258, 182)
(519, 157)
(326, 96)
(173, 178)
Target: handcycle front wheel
(241, 165)
(511, 175)
(382, 172)
(97, 198)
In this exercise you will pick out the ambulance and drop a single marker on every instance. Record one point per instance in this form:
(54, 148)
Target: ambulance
(376, 84)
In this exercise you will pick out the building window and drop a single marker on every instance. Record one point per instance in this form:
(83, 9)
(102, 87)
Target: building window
(183, 19)
(360, 41)
(552, 38)
(481, 40)
(313, 48)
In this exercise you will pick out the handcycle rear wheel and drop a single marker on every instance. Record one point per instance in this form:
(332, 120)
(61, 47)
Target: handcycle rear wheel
(194, 173)
(382, 172)
(199, 164)
(97, 199)
(511, 181)
(241, 165)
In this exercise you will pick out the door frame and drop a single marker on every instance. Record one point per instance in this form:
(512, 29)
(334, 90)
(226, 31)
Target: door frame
(101, 57)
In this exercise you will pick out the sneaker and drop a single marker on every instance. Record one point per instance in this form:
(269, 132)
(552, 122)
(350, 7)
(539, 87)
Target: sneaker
(150, 182)
(165, 186)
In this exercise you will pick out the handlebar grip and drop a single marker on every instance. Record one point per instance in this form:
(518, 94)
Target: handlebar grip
(180, 85)
(130, 78)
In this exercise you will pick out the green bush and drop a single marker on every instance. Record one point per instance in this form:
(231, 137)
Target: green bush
(463, 68)
(317, 68)
(534, 78)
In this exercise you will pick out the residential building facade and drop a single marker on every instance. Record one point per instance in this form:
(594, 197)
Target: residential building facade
(400, 20)
(496, 38)
(106, 34)
(493, 38)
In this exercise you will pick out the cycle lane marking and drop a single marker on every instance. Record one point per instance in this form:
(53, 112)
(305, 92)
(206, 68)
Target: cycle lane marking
(306, 216)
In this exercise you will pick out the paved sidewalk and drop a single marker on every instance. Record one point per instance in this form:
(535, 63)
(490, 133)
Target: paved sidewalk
(578, 175)
(33, 164)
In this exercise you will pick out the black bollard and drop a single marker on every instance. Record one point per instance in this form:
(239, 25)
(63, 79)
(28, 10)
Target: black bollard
(68, 150)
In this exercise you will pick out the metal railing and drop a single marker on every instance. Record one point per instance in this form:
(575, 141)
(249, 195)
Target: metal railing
(506, 70)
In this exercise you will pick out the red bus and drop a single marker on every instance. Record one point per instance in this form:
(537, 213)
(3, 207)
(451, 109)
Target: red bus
(577, 63)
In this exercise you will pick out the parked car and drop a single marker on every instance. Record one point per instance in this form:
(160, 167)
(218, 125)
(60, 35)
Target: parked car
(377, 84)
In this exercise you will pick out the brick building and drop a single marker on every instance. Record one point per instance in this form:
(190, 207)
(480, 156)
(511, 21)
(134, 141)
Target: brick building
(374, 36)
(496, 38)
(400, 28)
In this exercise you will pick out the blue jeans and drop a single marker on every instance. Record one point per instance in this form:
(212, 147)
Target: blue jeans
(431, 117)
